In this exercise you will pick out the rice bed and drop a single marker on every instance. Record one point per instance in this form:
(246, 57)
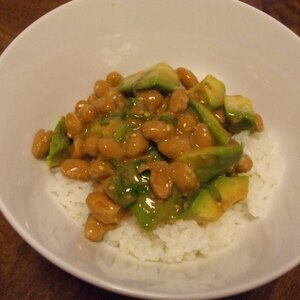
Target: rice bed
(184, 240)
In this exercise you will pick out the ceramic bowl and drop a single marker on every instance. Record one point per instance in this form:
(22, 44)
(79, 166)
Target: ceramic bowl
(55, 62)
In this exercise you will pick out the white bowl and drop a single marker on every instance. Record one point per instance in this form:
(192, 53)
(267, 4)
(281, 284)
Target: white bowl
(55, 62)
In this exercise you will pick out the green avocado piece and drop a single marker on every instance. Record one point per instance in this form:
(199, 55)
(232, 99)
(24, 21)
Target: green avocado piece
(209, 162)
(59, 145)
(150, 212)
(161, 76)
(127, 84)
(220, 135)
(231, 189)
(205, 207)
(212, 90)
(239, 114)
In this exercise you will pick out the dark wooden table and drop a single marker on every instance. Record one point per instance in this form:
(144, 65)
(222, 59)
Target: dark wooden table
(24, 274)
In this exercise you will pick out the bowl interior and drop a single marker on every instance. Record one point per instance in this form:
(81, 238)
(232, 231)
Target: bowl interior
(55, 62)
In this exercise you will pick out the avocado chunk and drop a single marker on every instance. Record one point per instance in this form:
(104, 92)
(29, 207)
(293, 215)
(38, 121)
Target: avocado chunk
(206, 207)
(212, 90)
(161, 76)
(127, 84)
(221, 136)
(239, 114)
(231, 189)
(209, 162)
(59, 145)
(150, 212)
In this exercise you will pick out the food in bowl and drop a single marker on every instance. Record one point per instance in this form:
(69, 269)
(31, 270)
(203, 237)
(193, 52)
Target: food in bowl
(164, 153)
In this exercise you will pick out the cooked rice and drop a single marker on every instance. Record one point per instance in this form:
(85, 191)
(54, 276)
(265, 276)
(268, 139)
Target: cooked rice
(184, 240)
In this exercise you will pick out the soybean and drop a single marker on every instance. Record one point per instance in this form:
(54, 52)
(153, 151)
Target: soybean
(157, 130)
(41, 143)
(110, 148)
(75, 169)
(187, 77)
(103, 208)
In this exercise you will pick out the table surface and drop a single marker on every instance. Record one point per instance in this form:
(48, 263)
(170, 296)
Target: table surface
(24, 274)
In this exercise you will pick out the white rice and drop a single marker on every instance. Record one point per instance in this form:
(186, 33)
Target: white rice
(184, 240)
(70, 195)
